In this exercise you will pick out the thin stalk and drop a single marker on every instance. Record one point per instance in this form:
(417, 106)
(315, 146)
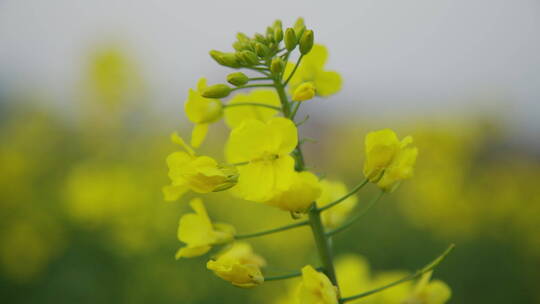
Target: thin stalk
(323, 244)
(259, 78)
(296, 106)
(413, 276)
(270, 231)
(346, 196)
(252, 104)
(283, 277)
(354, 218)
(294, 70)
(285, 106)
(253, 86)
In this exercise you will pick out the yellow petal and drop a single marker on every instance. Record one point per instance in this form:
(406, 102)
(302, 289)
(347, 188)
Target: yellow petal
(248, 141)
(198, 134)
(285, 133)
(190, 252)
(327, 83)
(234, 116)
(175, 138)
(173, 192)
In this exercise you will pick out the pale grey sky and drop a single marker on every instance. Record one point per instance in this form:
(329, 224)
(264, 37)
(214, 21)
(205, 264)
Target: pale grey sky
(400, 56)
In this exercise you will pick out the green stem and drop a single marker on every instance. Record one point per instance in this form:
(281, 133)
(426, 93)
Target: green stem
(283, 277)
(294, 70)
(286, 107)
(353, 191)
(296, 106)
(259, 78)
(323, 244)
(413, 276)
(253, 86)
(251, 104)
(270, 231)
(354, 218)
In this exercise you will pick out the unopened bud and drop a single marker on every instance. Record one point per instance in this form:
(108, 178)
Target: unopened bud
(242, 37)
(262, 50)
(299, 27)
(278, 34)
(277, 66)
(250, 58)
(270, 33)
(237, 78)
(290, 39)
(216, 91)
(303, 92)
(306, 42)
(260, 38)
(217, 56)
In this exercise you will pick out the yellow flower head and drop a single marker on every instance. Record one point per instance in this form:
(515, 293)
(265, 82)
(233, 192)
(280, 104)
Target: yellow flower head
(239, 265)
(201, 174)
(332, 191)
(311, 69)
(316, 288)
(304, 190)
(235, 115)
(305, 91)
(201, 111)
(388, 161)
(266, 148)
(199, 233)
(426, 292)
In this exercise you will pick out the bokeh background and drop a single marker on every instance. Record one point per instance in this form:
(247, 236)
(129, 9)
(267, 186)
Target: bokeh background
(91, 90)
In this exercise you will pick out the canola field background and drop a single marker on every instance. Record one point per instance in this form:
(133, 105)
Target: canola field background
(83, 219)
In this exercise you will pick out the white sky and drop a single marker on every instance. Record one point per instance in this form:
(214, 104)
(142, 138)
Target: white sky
(401, 56)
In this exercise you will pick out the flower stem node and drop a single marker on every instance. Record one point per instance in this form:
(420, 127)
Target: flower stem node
(237, 79)
(303, 92)
(216, 91)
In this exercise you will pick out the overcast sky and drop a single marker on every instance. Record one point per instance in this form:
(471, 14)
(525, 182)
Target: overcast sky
(401, 56)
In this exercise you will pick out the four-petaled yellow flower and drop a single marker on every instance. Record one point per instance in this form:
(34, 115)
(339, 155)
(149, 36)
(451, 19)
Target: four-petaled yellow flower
(388, 160)
(332, 191)
(316, 288)
(426, 292)
(201, 174)
(311, 69)
(263, 150)
(303, 92)
(235, 114)
(239, 265)
(201, 111)
(304, 190)
(199, 233)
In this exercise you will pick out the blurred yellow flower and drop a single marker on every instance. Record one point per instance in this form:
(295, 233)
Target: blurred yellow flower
(426, 292)
(304, 190)
(235, 115)
(265, 147)
(199, 233)
(201, 111)
(305, 91)
(311, 69)
(388, 161)
(239, 265)
(332, 191)
(201, 174)
(316, 288)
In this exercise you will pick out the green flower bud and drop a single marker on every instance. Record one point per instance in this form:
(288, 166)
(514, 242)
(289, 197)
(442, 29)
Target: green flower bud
(290, 39)
(242, 37)
(277, 66)
(237, 79)
(230, 60)
(249, 57)
(306, 42)
(299, 27)
(239, 45)
(262, 50)
(260, 38)
(278, 34)
(269, 33)
(216, 91)
(217, 56)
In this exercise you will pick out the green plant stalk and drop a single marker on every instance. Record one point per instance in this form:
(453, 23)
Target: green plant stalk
(321, 240)
(270, 231)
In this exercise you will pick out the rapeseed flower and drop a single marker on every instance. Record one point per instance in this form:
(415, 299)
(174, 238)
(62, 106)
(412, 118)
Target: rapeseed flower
(332, 191)
(201, 174)
(263, 150)
(239, 265)
(304, 190)
(316, 288)
(311, 69)
(235, 115)
(201, 111)
(199, 233)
